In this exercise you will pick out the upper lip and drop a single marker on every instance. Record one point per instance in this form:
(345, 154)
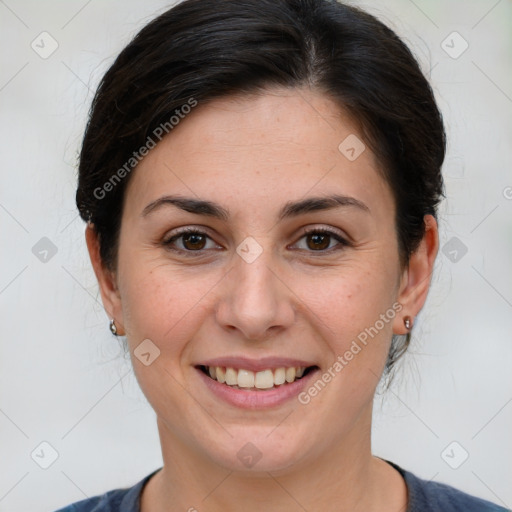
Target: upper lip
(256, 365)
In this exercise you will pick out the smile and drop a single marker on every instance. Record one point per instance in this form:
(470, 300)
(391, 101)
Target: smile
(241, 378)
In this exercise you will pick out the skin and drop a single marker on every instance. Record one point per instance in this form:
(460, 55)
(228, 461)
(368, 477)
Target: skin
(252, 154)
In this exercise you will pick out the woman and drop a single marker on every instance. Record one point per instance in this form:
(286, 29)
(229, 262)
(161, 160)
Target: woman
(260, 181)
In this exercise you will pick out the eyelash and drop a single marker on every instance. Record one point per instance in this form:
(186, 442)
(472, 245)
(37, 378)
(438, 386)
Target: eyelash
(308, 231)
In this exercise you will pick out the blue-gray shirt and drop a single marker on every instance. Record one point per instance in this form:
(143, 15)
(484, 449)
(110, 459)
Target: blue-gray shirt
(424, 496)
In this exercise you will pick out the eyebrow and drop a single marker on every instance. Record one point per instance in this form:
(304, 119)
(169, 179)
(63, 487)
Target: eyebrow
(289, 210)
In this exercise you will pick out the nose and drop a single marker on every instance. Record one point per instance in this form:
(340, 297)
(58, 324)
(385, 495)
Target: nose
(256, 302)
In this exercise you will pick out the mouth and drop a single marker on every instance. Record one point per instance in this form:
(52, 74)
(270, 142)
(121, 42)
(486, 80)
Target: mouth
(258, 381)
(255, 383)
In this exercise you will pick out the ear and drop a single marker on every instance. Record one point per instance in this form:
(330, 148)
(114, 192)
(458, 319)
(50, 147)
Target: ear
(106, 279)
(415, 281)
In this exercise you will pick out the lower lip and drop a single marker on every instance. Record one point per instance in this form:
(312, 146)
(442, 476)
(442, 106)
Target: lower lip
(260, 399)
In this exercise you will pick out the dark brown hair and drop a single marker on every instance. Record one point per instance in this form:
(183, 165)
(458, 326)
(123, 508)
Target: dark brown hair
(206, 49)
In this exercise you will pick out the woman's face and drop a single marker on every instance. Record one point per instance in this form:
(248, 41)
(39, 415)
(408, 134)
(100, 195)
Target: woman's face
(252, 291)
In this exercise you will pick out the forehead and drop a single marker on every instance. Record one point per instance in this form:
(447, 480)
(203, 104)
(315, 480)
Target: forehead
(272, 146)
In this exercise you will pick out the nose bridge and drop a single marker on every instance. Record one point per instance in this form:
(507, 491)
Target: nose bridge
(255, 300)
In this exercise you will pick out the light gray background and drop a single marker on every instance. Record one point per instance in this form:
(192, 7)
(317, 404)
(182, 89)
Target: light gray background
(63, 378)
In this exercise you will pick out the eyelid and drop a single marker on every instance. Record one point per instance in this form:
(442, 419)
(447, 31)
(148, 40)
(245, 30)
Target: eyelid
(331, 230)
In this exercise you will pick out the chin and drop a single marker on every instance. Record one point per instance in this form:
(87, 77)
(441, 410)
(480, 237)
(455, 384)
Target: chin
(255, 451)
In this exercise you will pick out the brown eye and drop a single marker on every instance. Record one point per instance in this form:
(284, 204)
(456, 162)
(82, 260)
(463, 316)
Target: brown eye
(194, 241)
(188, 241)
(318, 241)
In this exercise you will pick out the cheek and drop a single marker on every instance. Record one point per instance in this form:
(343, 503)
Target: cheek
(355, 340)
(161, 302)
(158, 306)
(352, 300)
(355, 317)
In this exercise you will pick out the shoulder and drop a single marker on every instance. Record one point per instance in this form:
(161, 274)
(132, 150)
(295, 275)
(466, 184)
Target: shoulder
(428, 496)
(117, 500)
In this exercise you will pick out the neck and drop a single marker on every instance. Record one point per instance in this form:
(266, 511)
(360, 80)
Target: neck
(346, 478)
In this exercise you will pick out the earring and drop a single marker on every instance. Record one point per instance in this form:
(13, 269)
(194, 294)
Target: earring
(407, 322)
(113, 327)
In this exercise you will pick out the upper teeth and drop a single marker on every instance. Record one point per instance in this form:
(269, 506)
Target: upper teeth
(248, 379)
